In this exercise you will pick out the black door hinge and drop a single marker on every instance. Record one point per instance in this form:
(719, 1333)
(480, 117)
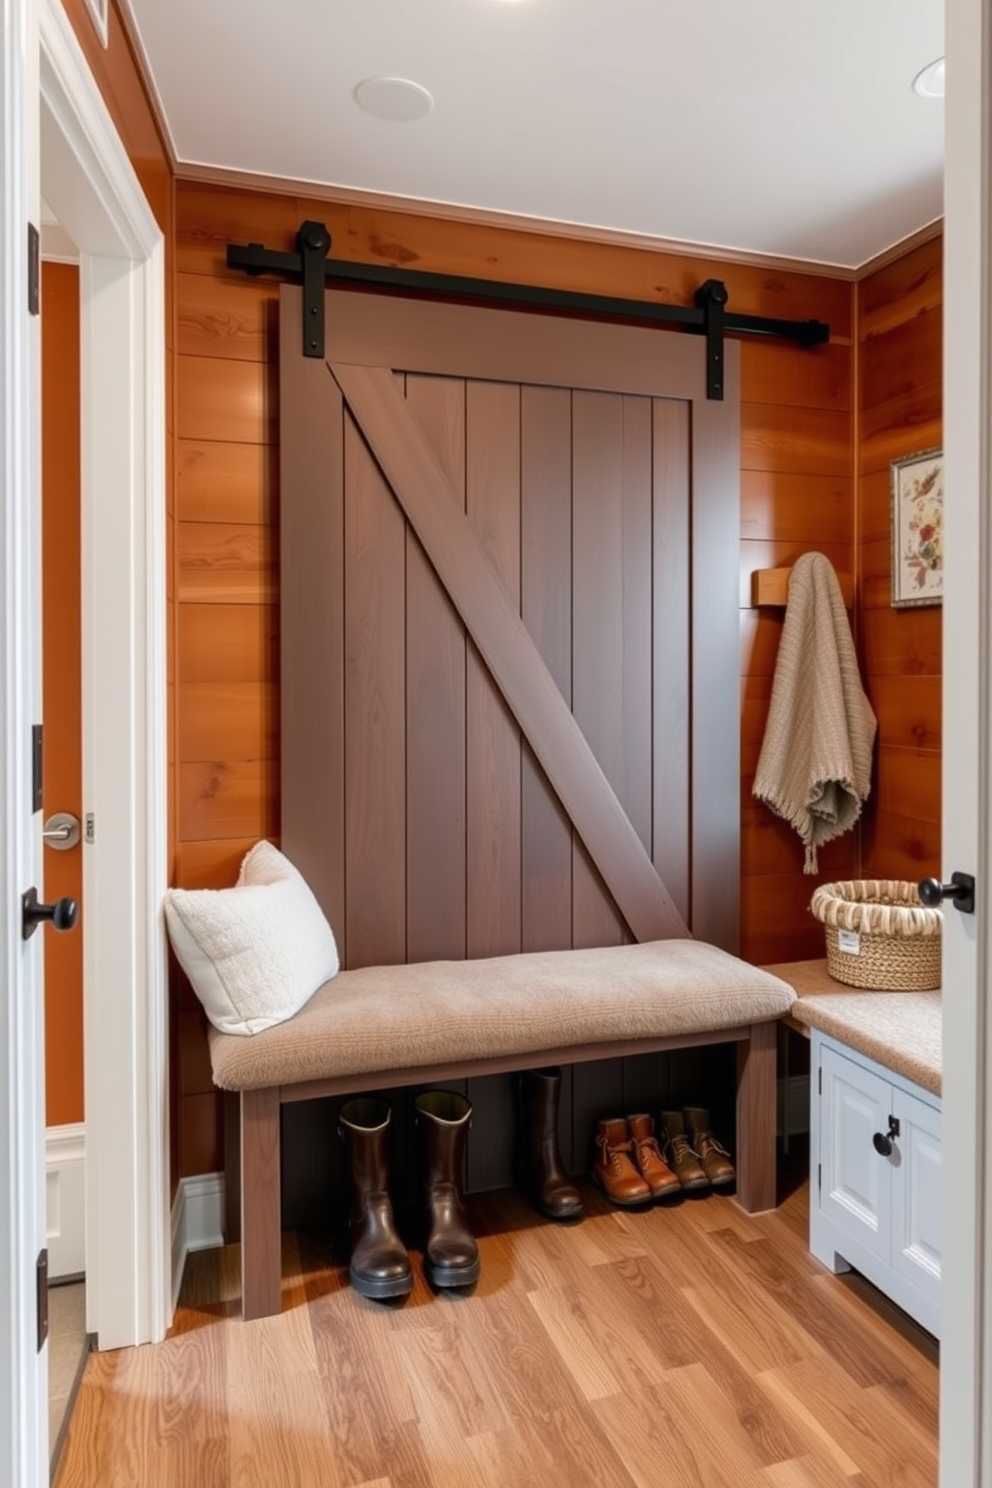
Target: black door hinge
(37, 765)
(34, 270)
(42, 1280)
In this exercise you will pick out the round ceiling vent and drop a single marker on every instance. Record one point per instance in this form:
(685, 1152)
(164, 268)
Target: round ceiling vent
(394, 98)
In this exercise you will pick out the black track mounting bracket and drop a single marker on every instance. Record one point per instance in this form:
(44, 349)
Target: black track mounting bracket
(707, 316)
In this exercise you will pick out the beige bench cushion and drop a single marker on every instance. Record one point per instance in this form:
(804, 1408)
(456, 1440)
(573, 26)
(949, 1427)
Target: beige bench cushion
(446, 1012)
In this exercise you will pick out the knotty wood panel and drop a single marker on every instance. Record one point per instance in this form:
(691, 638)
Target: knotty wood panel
(225, 563)
(900, 402)
(803, 441)
(228, 642)
(223, 482)
(219, 399)
(227, 799)
(807, 509)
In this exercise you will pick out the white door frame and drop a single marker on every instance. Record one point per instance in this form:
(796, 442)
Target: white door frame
(966, 1329)
(91, 186)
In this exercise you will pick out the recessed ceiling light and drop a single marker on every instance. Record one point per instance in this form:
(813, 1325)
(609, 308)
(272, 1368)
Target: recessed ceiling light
(930, 82)
(394, 98)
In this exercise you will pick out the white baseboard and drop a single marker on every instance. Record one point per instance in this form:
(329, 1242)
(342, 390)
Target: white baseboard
(197, 1221)
(65, 1199)
(793, 1106)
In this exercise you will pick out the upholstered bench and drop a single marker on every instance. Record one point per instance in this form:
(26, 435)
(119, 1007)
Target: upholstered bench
(390, 1026)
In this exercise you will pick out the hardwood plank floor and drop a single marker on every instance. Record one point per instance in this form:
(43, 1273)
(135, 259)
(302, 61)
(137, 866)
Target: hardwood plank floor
(691, 1346)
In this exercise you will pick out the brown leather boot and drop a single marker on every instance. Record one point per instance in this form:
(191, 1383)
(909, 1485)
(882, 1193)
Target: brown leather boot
(714, 1157)
(678, 1152)
(379, 1266)
(541, 1172)
(648, 1159)
(613, 1168)
(441, 1120)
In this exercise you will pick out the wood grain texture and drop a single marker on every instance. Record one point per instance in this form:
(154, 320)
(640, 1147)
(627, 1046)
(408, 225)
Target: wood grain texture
(900, 402)
(483, 603)
(692, 1340)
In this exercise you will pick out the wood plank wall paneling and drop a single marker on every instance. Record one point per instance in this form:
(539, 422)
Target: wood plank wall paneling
(797, 492)
(899, 393)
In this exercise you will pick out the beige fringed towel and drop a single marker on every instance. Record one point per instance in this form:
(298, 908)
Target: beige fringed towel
(815, 763)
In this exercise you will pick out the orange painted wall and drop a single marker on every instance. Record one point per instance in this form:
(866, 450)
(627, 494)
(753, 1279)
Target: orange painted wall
(61, 700)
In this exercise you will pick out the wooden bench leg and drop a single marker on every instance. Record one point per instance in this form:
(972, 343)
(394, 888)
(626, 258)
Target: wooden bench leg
(756, 1098)
(232, 1167)
(261, 1220)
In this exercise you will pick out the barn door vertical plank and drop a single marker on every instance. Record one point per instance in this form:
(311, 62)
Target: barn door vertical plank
(493, 736)
(375, 727)
(672, 699)
(597, 629)
(435, 707)
(634, 784)
(311, 618)
(546, 609)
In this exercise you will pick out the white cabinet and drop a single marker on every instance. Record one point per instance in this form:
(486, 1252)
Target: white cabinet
(875, 1177)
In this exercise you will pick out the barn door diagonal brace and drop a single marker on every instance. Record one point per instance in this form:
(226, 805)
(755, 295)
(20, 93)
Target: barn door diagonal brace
(707, 316)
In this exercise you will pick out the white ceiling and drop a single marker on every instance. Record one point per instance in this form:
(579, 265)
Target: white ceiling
(768, 126)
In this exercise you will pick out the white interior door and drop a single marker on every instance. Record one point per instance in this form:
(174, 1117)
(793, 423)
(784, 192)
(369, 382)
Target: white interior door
(965, 1407)
(23, 1366)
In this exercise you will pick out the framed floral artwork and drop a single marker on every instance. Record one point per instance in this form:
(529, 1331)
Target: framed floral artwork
(918, 529)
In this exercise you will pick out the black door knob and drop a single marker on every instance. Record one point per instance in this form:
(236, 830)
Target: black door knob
(62, 914)
(960, 891)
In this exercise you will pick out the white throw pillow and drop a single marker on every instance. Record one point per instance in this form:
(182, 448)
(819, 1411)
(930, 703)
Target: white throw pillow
(255, 953)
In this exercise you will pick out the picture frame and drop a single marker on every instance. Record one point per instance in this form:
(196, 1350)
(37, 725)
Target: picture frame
(917, 482)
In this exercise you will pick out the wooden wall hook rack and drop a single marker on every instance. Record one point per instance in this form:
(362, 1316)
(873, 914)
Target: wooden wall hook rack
(770, 586)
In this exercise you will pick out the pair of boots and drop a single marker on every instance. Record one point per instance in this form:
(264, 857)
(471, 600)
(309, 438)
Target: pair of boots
(633, 1165)
(380, 1266)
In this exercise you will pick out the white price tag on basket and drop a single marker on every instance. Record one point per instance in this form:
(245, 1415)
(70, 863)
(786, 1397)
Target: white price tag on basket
(849, 941)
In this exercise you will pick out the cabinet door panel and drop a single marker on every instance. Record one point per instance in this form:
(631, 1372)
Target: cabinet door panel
(855, 1185)
(916, 1194)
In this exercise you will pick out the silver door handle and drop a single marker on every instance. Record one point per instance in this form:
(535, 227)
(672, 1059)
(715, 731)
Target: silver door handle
(61, 831)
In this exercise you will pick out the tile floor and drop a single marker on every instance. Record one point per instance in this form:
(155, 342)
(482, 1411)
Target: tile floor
(68, 1346)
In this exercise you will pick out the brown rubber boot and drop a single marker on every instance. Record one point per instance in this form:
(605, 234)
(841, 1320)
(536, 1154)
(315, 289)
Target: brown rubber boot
(678, 1152)
(379, 1266)
(713, 1156)
(541, 1172)
(613, 1168)
(648, 1159)
(441, 1120)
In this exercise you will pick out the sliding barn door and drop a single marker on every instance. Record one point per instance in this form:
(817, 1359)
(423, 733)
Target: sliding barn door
(509, 558)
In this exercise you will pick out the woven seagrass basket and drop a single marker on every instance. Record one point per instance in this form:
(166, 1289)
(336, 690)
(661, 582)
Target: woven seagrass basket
(880, 935)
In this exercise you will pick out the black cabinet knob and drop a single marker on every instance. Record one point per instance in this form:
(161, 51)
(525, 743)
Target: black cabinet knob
(882, 1141)
(61, 915)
